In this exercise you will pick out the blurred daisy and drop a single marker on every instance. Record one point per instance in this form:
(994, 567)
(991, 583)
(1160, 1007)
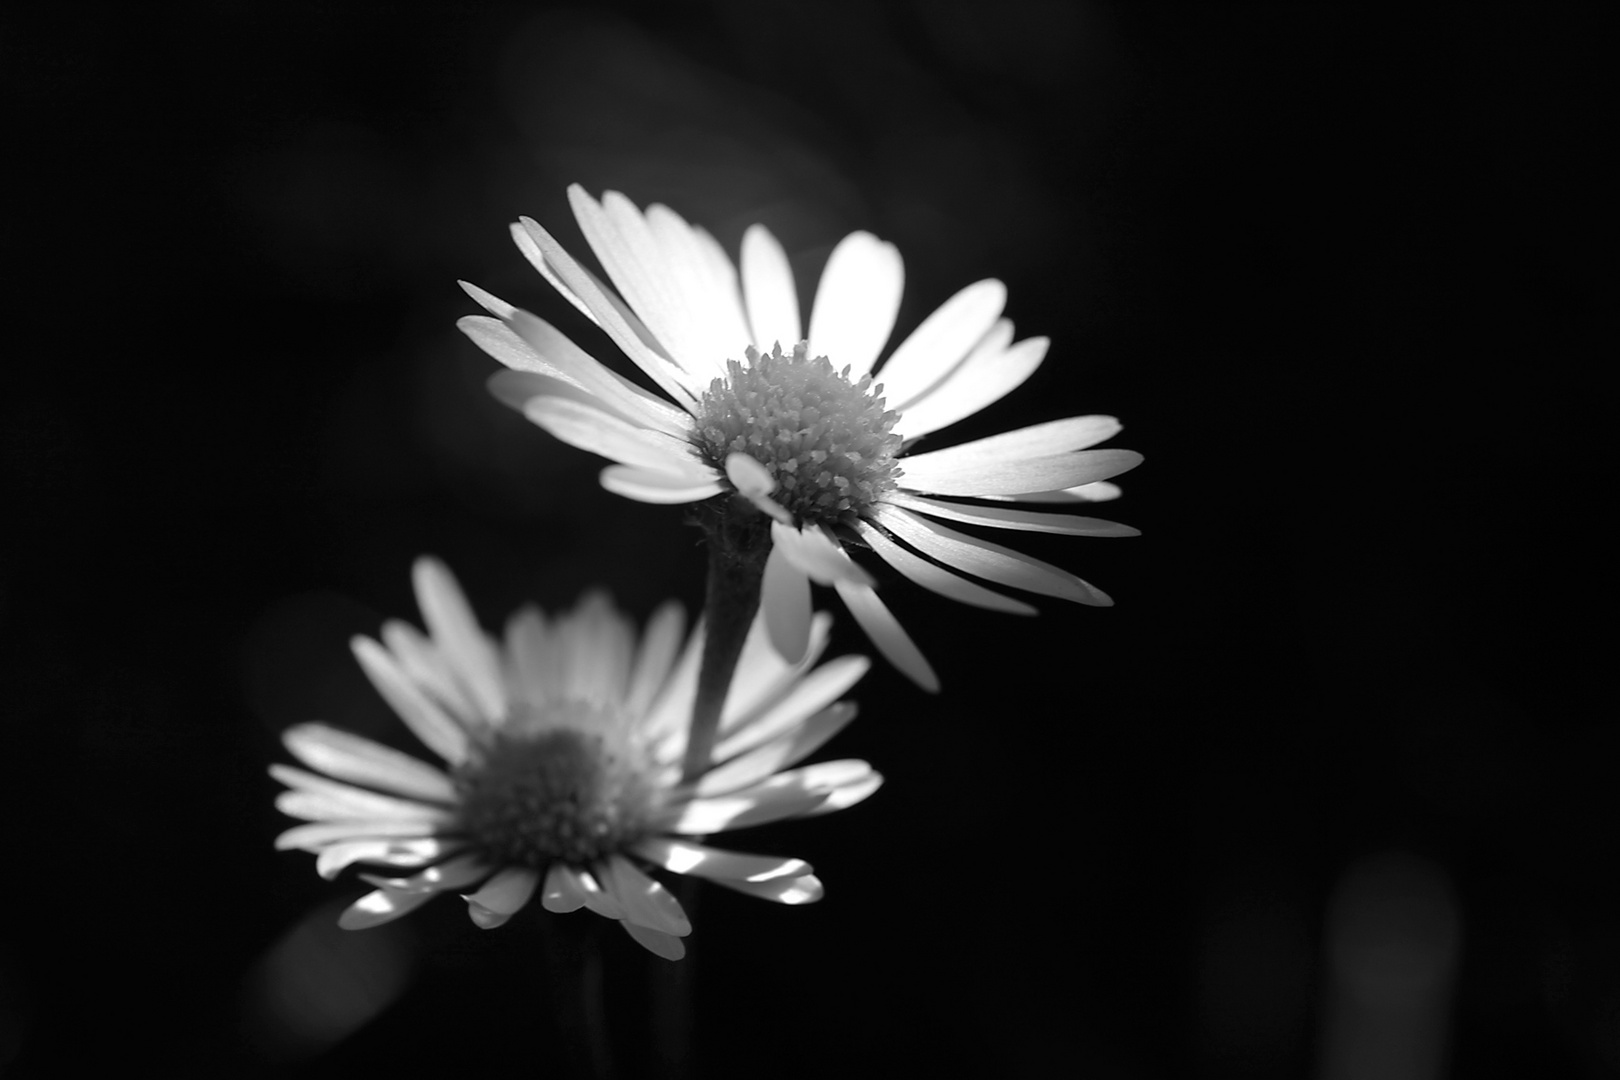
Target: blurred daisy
(562, 749)
(794, 421)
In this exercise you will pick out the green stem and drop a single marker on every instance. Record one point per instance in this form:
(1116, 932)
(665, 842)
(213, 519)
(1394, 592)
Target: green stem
(739, 542)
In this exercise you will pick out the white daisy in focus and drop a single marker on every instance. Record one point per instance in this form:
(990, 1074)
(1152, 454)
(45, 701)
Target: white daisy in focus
(562, 749)
(794, 421)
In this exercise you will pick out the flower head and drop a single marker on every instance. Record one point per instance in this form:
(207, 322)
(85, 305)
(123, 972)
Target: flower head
(562, 746)
(794, 421)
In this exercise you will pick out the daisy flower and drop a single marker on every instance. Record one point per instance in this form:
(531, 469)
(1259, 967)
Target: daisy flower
(561, 747)
(794, 421)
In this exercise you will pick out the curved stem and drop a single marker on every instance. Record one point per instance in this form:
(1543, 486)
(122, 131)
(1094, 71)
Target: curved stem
(739, 543)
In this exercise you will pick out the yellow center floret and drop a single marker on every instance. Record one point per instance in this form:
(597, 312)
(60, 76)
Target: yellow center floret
(546, 791)
(827, 442)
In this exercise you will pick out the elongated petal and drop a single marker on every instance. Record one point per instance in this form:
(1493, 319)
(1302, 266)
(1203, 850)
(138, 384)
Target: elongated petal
(456, 632)
(316, 835)
(1020, 520)
(646, 902)
(657, 486)
(564, 360)
(426, 720)
(763, 677)
(768, 291)
(989, 476)
(794, 745)
(458, 873)
(599, 432)
(1100, 491)
(807, 696)
(349, 757)
(655, 656)
(425, 665)
(934, 349)
(667, 946)
(938, 579)
(785, 601)
(788, 794)
(985, 559)
(804, 889)
(700, 860)
(384, 905)
(982, 379)
(503, 343)
(1037, 440)
(709, 293)
(333, 858)
(817, 554)
(579, 286)
(884, 630)
(317, 798)
(856, 302)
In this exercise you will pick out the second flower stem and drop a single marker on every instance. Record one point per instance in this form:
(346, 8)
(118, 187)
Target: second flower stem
(739, 539)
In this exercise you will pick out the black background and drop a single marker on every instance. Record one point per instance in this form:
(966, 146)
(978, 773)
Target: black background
(1332, 267)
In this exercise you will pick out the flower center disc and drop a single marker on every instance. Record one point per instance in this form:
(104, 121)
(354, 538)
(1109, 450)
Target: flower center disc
(827, 442)
(562, 792)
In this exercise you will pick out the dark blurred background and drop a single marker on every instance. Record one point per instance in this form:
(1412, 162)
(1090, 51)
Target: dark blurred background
(1329, 793)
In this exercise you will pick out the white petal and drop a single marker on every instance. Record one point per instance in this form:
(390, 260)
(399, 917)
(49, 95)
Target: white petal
(801, 740)
(934, 349)
(985, 559)
(316, 798)
(789, 794)
(805, 889)
(384, 905)
(575, 365)
(655, 656)
(893, 642)
(599, 432)
(349, 757)
(425, 665)
(456, 632)
(755, 483)
(768, 291)
(806, 696)
(763, 678)
(646, 902)
(503, 343)
(459, 872)
(487, 300)
(658, 486)
(667, 946)
(648, 274)
(562, 892)
(700, 860)
(575, 887)
(856, 303)
(597, 644)
(937, 579)
(606, 310)
(982, 379)
(502, 896)
(989, 476)
(316, 835)
(332, 859)
(1021, 520)
(785, 602)
(1037, 440)
(1100, 491)
(708, 293)
(426, 720)
(817, 554)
